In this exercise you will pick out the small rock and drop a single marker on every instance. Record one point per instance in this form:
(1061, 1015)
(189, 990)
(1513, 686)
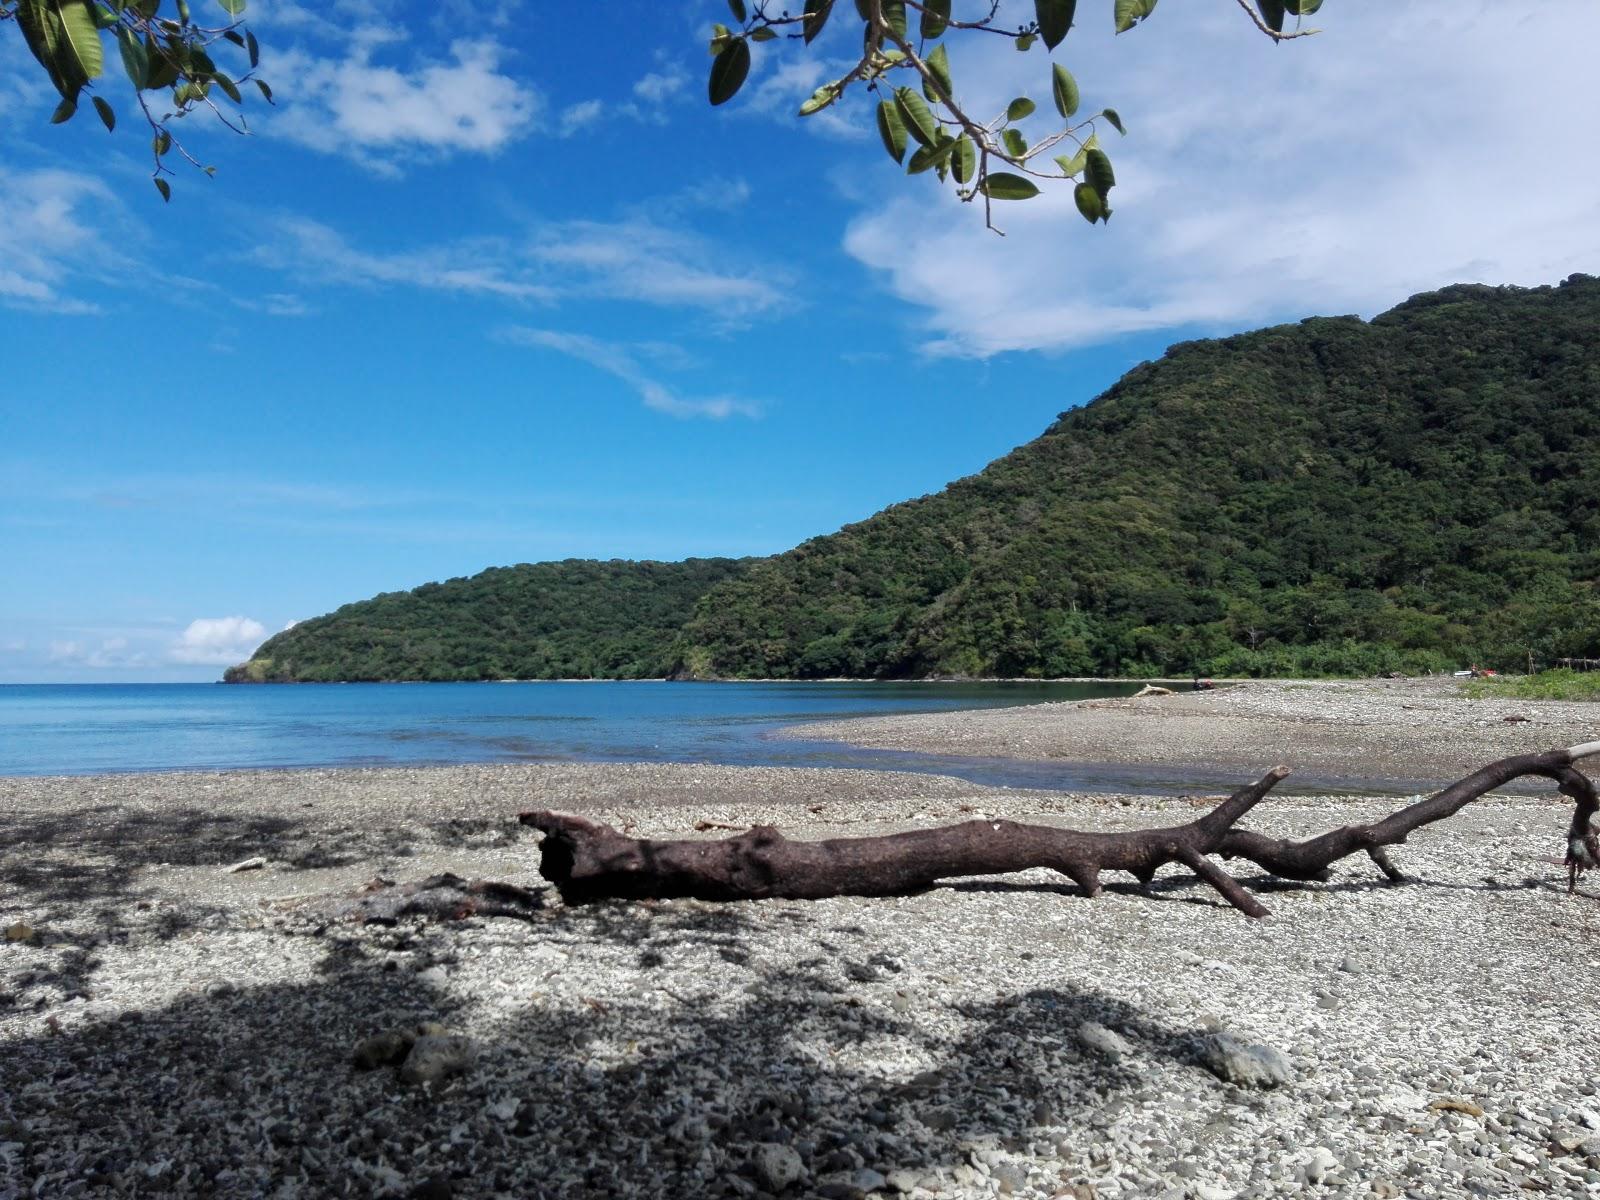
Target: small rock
(24, 933)
(1236, 1061)
(777, 1167)
(1210, 1191)
(383, 1049)
(1101, 1040)
(903, 1180)
(1451, 1104)
(1350, 966)
(1319, 1164)
(435, 1058)
(432, 977)
(247, 864)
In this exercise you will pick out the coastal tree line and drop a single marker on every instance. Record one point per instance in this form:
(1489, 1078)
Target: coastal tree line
(1334, 497)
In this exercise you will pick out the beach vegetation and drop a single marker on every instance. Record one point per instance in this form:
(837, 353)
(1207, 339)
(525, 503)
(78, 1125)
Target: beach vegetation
(1560, 683)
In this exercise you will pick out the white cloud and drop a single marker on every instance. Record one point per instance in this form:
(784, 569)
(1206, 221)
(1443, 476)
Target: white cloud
(621, 360)
(49, 238)
(110, 653)
(1392, 153)
(633, 259)
(657, 87)
(575, 118)
(478, 268)
(383, 116)
(217, 641)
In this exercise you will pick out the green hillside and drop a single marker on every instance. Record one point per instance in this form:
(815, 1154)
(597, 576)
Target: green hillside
(577, 619)
(1330, 497)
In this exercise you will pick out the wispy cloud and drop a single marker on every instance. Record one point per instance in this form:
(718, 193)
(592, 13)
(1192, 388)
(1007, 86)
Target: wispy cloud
(633, 259)
(384, 116)
(1390, 154)
(317, 251)
(575, 118)
(51, 238)
(622, 361)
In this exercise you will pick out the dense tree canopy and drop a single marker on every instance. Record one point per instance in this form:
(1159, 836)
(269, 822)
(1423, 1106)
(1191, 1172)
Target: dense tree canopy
(169, 58)
(1331, 497)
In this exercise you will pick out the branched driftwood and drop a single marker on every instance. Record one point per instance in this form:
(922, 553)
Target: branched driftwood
(1310, 859)
(588, 861)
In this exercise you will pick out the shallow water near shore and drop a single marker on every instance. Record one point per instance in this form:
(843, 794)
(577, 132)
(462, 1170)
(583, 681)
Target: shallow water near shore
(96, 728)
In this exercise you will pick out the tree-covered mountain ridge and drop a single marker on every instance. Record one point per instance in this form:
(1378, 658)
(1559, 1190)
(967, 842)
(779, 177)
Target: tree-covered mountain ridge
(1335, 496)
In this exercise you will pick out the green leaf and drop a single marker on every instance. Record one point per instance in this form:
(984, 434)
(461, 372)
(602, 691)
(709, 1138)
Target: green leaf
(737, 8)
(1019, 108)
(928, 157)
(721, 35)
(1025, 42)
(266, 92)
(938, 64)
(1089, 203)
(64, 110)
(1015, 142)
(78, 27)
(816, 16)
(164, 188)
(1272, 14)
(161, 143)
(894, 12)
(820, 99)
(964, 159)
(229, 88)
(107, 117)
(41, 30)
(892, 129)
(1002, 185)
(1064, 89)
(1110, 114)
(728, 71)
(1055, 18)
(1071, 164)
(1098, 172)
(1130, 12)
(160, 70)
(1302, 8)
(233, 7)
(253, 49)
(104, 18)
(917, 116)
(935, 18)
(764, 33)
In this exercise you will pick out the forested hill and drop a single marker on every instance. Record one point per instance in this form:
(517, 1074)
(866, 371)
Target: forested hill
(577, 619)
(1334, 496)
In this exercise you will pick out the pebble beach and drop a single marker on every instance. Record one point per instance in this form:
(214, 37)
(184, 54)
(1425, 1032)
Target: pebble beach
(180, 1016)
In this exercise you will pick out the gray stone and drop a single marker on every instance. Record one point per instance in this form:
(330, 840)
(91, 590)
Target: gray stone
(1318, 1165)
(1246, 1064)
(776, 1166)
(1101, 1040)
(435, 1058)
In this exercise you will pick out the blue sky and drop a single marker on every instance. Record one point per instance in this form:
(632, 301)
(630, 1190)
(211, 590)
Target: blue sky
(494, 284)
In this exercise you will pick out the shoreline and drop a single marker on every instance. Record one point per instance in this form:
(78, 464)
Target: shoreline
(170, 1026)
(1406, 729)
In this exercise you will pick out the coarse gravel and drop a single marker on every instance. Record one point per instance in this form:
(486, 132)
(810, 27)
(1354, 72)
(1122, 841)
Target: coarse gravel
(169, 1027)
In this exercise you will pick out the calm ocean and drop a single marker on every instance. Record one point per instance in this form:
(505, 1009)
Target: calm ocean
(74, 729)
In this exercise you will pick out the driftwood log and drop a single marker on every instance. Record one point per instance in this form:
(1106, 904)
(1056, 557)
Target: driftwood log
(588, 861)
